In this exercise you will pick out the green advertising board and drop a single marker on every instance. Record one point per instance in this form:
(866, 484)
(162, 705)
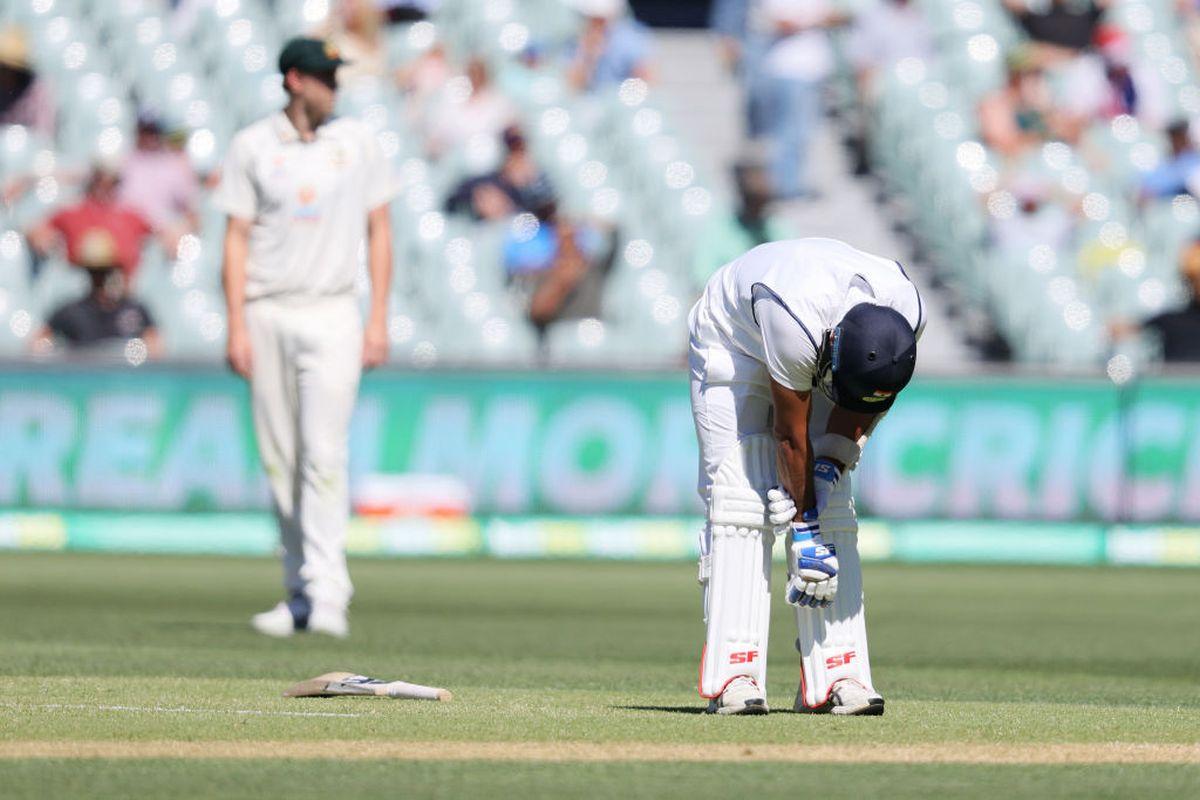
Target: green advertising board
(600, 444)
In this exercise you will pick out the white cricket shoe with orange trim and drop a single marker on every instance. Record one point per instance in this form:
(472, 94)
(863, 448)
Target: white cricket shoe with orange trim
(849, 698)
(741, 696)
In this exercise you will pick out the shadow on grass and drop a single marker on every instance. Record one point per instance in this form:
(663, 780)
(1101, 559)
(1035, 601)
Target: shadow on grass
(692, 709)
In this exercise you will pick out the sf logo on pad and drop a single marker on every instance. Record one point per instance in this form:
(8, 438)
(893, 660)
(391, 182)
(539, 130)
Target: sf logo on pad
(744, 657)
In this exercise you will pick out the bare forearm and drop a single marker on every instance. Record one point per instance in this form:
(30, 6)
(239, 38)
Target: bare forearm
(796, 461)
(233, 277)
(379, 266)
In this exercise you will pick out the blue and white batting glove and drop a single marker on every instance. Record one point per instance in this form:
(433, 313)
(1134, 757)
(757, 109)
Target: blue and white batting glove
(813, 569)
(826, 475)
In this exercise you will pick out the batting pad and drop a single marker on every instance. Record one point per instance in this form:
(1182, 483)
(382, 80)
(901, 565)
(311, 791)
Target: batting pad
(833, 641)
(735, 567)
(347, 684)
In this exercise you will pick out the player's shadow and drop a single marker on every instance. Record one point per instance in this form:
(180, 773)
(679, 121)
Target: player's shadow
(664, 709)
(687, 709)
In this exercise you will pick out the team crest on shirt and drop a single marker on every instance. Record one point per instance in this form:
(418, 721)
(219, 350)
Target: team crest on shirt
(306, 205)
(338, 158)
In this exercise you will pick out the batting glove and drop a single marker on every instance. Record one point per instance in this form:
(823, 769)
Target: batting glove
(814, 567)
(826, 474)
(781, 508)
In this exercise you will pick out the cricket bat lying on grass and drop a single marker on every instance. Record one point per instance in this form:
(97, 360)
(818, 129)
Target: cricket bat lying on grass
(344, 684)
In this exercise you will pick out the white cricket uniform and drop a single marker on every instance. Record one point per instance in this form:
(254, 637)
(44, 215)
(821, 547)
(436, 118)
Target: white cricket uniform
(308, 202)
(765, 316)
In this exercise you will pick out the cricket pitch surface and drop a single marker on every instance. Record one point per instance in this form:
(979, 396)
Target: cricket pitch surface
(138, 676)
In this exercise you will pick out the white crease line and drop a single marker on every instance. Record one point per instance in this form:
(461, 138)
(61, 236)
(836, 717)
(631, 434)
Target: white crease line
(179, 710)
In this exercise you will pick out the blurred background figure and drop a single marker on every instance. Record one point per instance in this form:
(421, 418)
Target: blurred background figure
(611, 46)
(74, 227)
(751, 224)
(879, 40)
(398, 11)
(1059, 30)
(1178, 170)
(422, 78)
(554, 264)
(1036, 220)
(356, 30)
(107, 314)
(25, 98)
(463, 112)
(158, 182)
(1176, 330)
(518, 184)
(786, 83)
(1021, 115)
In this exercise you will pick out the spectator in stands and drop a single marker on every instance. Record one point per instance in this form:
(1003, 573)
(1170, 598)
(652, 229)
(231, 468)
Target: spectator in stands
(729, 20)
(158, 182)
(1021, 115)
(1189, 15)
(75, 226)
(106, 314)
(787, 85)
(398, 11)
(516, 186)
(422, 79)
(554, 264)
(25, 99)
(1060, 30)
(749, 227)
(1034, 219)
(611, 47)
(1178, 170)
(356, 30)
(1178, 330)
(1106, 82)
(484, 111)
(888, 33)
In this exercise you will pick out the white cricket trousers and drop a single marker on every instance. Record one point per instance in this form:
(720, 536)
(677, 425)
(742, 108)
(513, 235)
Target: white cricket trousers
(307, 360)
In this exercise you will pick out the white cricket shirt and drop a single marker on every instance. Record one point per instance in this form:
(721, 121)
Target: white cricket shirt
(765, 315)
(308, 202)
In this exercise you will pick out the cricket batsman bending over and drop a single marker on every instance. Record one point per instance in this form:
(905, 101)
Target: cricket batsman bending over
(776, 457)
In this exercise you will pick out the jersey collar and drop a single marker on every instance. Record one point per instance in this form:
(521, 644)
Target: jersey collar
(287, 132)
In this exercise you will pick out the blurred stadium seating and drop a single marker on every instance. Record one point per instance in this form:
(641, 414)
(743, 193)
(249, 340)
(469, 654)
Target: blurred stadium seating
(611, 156)
(1051, 304)
(614, 160)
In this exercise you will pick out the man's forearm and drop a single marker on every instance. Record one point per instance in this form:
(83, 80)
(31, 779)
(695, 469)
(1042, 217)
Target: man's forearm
(379, 267)
(796, 459)
(233, 277)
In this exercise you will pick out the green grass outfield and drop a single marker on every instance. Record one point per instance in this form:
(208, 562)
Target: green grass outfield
(138, 677)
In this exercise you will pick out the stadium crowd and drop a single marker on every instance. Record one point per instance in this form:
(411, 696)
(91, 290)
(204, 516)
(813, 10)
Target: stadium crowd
(1083, 117)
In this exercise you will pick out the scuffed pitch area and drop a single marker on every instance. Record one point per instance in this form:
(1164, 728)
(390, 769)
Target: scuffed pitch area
(1114, 753)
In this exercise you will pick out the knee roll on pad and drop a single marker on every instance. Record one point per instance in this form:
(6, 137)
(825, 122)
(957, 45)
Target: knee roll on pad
(735, 567)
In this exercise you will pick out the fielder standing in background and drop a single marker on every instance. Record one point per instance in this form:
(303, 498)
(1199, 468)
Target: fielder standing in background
(301, 188)
(771, 326)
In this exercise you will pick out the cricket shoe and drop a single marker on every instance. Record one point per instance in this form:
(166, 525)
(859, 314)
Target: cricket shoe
(279, 622)
(741, 696)
(329, 620)
(850, 698)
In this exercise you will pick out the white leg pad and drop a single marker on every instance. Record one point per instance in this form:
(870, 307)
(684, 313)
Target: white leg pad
(833, 641)
(735, 567)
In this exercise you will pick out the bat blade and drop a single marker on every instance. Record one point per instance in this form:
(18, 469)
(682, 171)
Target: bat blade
(348, 684)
